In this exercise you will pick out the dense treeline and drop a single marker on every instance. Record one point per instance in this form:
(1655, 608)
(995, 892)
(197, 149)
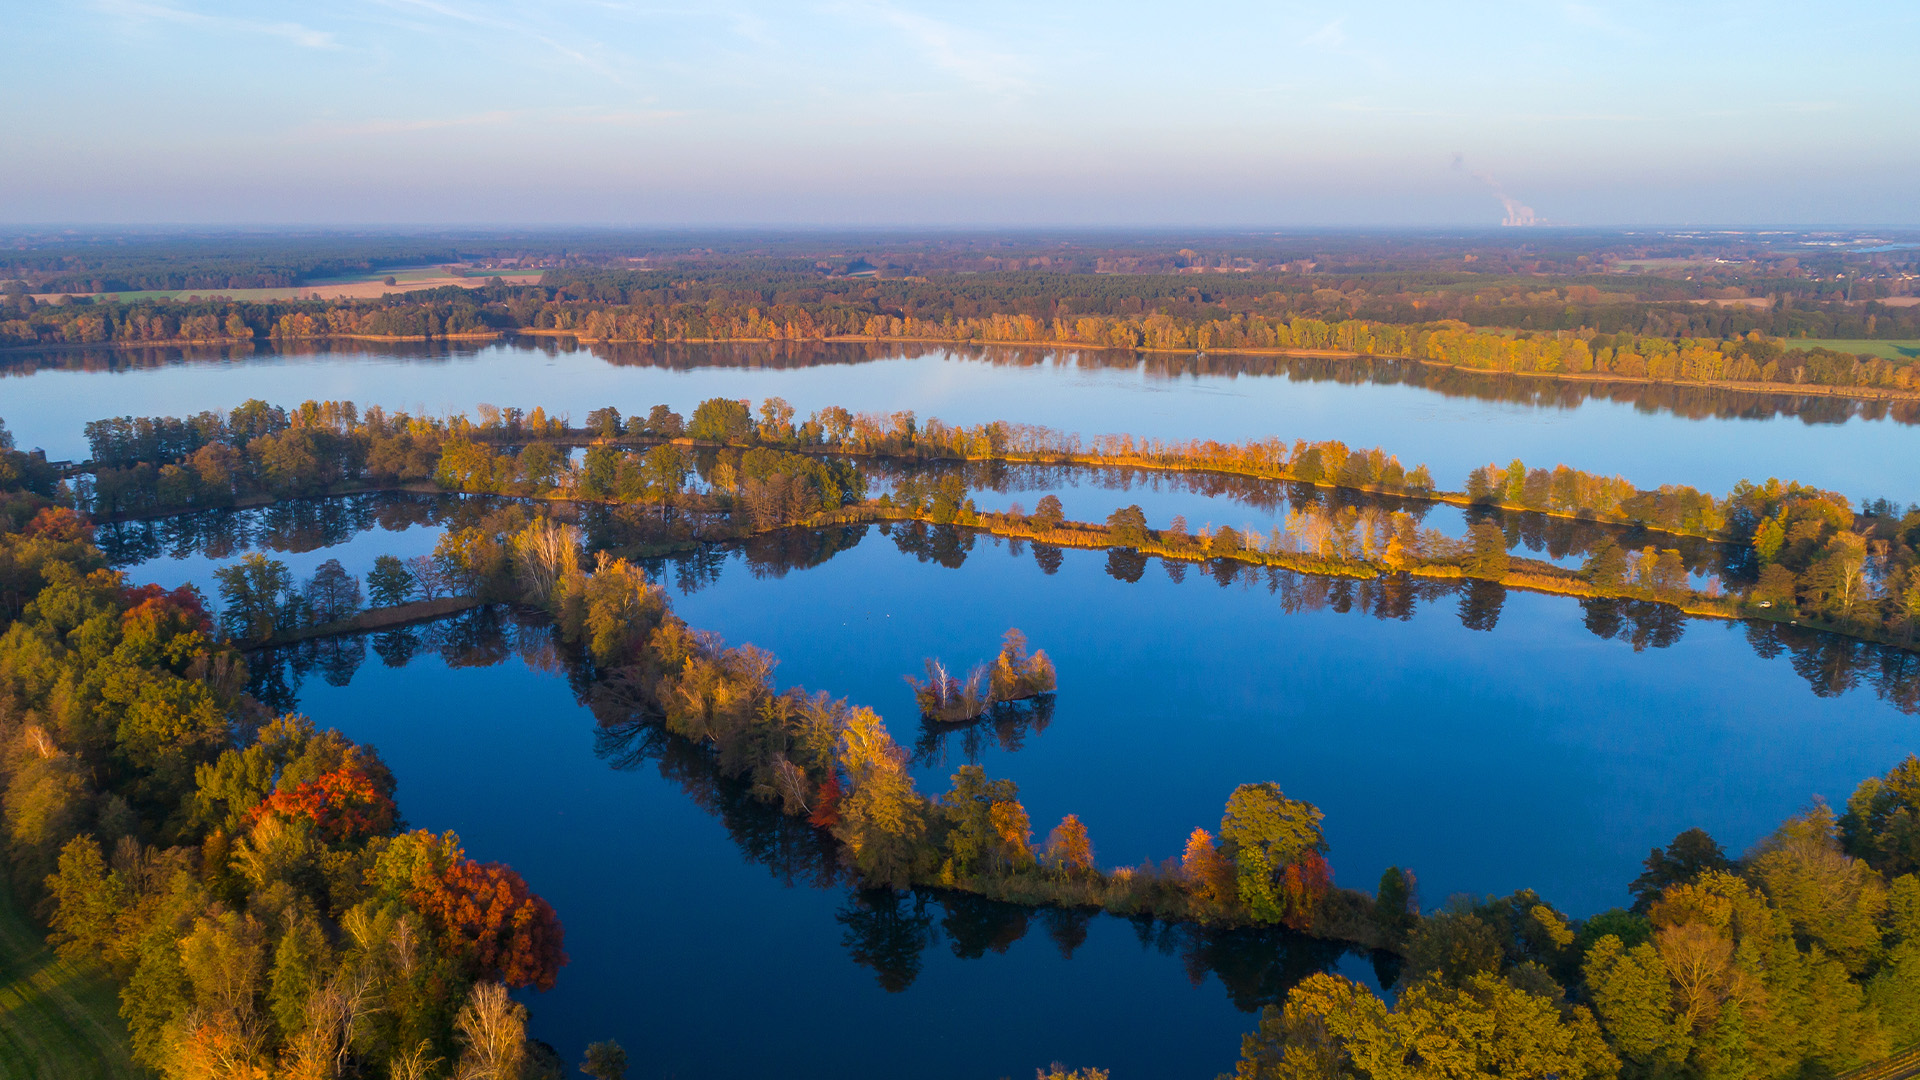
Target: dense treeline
(1115, 314)
(432, 313)
(1752, 358)
(245, 875)
(129, 264)
(1048, 287)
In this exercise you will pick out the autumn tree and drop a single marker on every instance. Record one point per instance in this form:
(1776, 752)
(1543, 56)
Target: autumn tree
(1068, 848)
(491, 922)
(605, 423)
(1332, 1028)
(1265, 836)
(1048, 514)
(1129, 526)
(881, 816)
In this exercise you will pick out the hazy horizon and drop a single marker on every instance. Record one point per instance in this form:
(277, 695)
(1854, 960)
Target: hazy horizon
(854, 114)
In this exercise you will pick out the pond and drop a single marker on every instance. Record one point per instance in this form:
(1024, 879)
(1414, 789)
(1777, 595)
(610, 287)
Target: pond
(1453, 421)
(1490, 740)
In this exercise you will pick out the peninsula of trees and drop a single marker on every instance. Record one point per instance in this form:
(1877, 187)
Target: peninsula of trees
(1814, 558)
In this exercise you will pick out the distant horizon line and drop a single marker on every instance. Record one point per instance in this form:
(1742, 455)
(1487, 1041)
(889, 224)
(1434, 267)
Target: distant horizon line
(256, 227)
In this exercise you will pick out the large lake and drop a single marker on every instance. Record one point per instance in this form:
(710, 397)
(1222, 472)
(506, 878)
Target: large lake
(1452, 421)
(1490, 741)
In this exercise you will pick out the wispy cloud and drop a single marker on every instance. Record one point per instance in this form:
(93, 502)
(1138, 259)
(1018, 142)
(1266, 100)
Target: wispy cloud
(949, 47)
(1329, 38)
(304, 36)
(514, 28)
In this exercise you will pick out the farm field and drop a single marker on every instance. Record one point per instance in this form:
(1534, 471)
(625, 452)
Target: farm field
(359, 287)
(1888, 350)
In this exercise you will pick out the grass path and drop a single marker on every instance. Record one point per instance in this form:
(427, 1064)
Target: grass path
(57, 1019)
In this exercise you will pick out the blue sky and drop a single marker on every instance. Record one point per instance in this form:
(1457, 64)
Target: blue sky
(979, 113)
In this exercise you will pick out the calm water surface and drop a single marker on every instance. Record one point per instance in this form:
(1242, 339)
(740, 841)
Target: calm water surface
(1452, 421)
(1490, 742)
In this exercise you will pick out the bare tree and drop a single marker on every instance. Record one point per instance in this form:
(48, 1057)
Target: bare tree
(428, 576)
(493, 1030)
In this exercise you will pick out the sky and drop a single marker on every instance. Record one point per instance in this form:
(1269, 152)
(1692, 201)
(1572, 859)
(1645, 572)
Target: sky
(985, 112)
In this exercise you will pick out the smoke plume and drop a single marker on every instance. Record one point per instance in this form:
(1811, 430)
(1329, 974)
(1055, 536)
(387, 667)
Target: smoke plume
(1518, 213)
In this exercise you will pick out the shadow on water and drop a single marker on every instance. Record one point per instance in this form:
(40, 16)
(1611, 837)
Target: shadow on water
(1007, 724)
(891, 932)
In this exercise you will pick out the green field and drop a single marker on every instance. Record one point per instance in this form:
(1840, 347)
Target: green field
(57, 1019)
(1888, 350)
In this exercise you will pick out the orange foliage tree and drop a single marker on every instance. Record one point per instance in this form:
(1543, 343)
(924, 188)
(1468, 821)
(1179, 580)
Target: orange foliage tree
(491, 921)
(1068, 847)
(345, 805)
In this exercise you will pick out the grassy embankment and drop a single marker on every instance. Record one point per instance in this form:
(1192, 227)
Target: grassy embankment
(58, 1019)
(1885, 350)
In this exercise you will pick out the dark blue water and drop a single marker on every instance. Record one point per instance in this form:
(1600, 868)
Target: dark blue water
(1452, 421)
(1488, 741)
(705, 961)
(1530, 754)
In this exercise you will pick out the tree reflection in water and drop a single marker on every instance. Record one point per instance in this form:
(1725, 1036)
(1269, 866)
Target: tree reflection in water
(1831, 664)
(1007, 722)
(1679, 399)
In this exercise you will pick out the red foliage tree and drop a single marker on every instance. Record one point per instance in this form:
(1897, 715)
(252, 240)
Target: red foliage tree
(492, 921)
(1303, 885)
(345, 805)
(826, 806)
(162, 614)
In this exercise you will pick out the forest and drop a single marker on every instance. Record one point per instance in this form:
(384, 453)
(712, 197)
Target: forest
(244, 876)
(1669, 343)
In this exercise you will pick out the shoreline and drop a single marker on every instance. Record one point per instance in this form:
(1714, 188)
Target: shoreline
(386, 618)
(1853, 393)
